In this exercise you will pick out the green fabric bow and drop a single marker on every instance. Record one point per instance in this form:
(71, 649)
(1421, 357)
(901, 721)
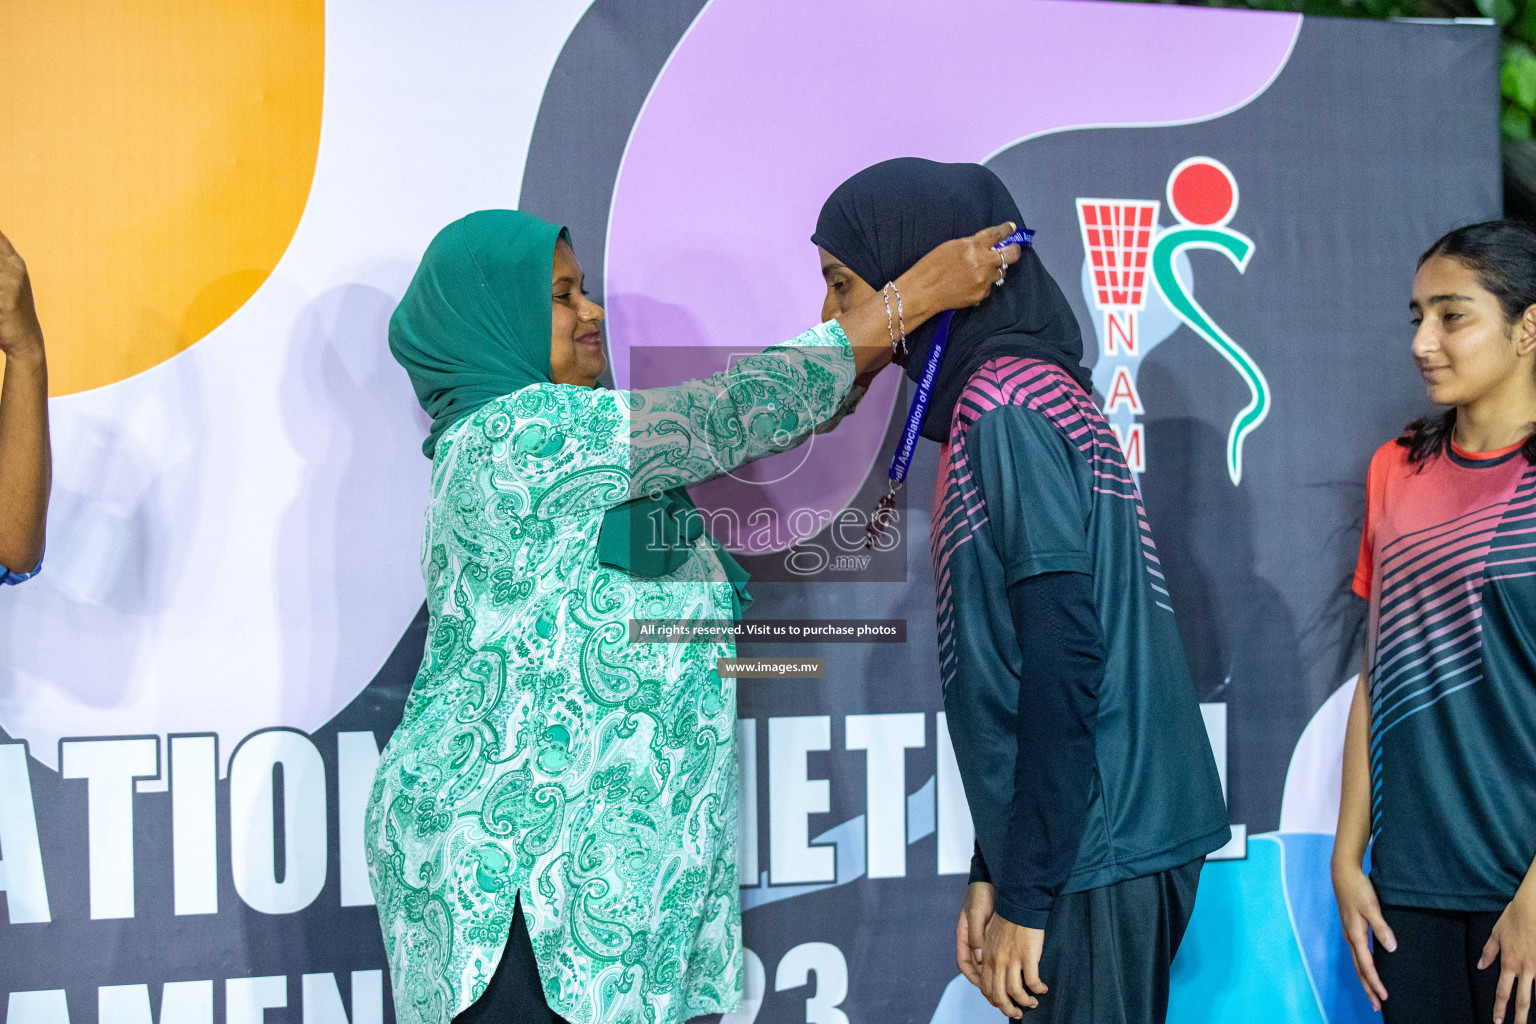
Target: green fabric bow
(651, 537)
(474, 325)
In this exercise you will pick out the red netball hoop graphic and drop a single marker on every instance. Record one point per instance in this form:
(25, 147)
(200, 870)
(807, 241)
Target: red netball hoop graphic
(1202, 192)
(1117, 235)
(1117, 239)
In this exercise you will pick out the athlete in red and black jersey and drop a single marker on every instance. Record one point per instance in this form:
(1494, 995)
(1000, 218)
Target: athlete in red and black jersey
(1440, 754)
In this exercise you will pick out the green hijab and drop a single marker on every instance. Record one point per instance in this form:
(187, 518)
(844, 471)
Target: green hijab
(474, 325)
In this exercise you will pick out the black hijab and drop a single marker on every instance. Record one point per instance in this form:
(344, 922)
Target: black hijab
(884, 219)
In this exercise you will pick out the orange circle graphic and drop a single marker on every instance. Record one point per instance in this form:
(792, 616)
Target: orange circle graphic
(155, 158)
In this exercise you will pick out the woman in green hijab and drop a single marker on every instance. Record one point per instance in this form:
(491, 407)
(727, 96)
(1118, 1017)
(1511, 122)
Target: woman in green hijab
(554, 792)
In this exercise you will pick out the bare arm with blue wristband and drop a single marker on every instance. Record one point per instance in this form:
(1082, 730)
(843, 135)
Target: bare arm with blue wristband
(25, 460)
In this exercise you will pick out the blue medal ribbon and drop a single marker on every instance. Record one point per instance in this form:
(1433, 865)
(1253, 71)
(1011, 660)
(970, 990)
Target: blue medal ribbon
(902, 460)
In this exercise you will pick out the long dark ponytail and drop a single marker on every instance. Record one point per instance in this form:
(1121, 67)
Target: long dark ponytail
(1503, 255)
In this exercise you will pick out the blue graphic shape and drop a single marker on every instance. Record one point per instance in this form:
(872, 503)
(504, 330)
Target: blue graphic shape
(1240, 960)
(922, 812)
(1315, 916)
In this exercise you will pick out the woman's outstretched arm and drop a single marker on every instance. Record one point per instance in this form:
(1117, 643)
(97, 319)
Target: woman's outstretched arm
(602, 447)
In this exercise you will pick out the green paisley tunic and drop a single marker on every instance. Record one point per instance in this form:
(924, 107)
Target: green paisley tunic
(540, 752)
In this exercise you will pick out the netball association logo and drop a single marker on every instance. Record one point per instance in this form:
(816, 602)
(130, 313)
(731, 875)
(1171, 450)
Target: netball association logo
(1130, 259)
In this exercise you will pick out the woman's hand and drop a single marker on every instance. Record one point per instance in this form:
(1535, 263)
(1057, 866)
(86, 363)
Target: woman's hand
(971, 929)
(959, 273)
(1513, 944)
(1360, 913)
(1010, 966)
(20, 334)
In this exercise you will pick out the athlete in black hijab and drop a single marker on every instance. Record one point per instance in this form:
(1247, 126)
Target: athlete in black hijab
(1091, 830)
(882, 220)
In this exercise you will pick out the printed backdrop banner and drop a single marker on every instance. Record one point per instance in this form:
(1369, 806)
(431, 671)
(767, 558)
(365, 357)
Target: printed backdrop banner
(220, 206)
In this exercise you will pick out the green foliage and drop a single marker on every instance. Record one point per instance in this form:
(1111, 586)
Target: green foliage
(1517, 29)
(1517, 79)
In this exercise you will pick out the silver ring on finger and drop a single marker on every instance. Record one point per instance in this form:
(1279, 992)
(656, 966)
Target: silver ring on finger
(1002, 271)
